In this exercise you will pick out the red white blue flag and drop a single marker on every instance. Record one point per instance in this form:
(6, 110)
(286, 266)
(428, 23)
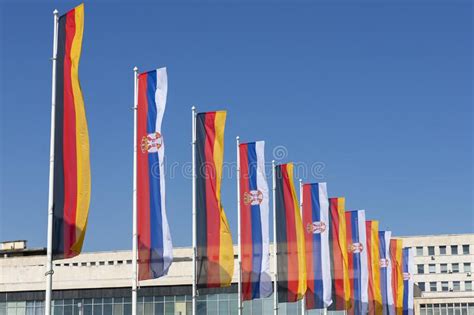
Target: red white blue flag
(254, 214)
(155, 252)
(316, 227)
(408, 283)
(358, 263)
(385, 271)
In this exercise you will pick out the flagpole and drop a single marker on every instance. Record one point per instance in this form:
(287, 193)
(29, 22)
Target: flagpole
(193, 145)
(303, 300)
(134, 228)
(239, 237)
(49, 251)
(275, 261)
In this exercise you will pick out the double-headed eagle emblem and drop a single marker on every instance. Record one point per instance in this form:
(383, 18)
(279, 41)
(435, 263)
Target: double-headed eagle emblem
(316, 227)
(151, 142)
(356, 248)
(253, 197)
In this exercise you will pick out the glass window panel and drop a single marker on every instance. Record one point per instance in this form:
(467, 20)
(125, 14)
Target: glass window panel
(292, 308)
(148, 308)
(431, 250)
(118, 300)
(456, 285)
(97, 309)
(87, 301)
(421, 285)
(212, 297)
(465, 249)
(224, 307)
(159, 298)
(68, 302)
(127, 300)
(58, 310)
(419, 251)
(107, 300)
(468, 285)
(159, 308)
(420, 269)
(201, 307)
(87, 309)
(118, 309)
(444, 286)
(234, 307)
(169, 298)
(127, 309)
(189, 308)
(179, 298)
(444, 268)
(454, 249)
(433, 287)
(68, 310)
(455, 267)
(58, 302)
(442, 250)
(169, 308)
(467, 267)
(432, 268)
(108, 309)
(140, 308)
(147, 299)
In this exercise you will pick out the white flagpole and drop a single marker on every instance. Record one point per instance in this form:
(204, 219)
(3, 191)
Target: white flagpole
(239, 237)
(275, 261)
(303, 300)
(134, 228)
(193, 109)
(49, 251)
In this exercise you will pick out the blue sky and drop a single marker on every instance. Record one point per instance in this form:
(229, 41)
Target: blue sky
(377, 93)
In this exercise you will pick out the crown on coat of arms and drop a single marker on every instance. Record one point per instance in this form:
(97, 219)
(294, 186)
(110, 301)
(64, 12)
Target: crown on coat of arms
(253, 197)
(356, 248)
(316, 227)
(151, 142)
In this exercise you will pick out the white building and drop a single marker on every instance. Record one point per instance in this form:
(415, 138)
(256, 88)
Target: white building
(99, 283)
(444, 265)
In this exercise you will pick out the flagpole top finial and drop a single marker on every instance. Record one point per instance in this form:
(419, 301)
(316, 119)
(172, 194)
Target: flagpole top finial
(193, 108)
(135, 69)
(55, 12)
(237, 138)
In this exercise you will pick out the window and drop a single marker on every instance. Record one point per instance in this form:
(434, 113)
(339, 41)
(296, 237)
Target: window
(101, 263)
(467, 285)
(444, 286)
(419, 251)
(92, 263)
(431, 250)
(433, 287)
(421, 269)
(454, 249)
(467, 267)
(442, 250)
(456, 285)
(421, 285)
(465, 249)
(455, 268)
(83, 264)
(444, 268)
(110, 262)
(432, 268)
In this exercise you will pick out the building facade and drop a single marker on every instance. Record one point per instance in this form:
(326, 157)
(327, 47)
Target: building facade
(99, 283)
(443, 273)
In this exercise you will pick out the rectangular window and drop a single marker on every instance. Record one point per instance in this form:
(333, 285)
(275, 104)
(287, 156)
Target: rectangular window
(454, 249)
(421, 285)
(421, 269)
(467, 285)
(455, 268)
(444, 286)
(456, 286)
(467, 267)
(433, 287)
(465, 249)
(432, 268)
(442, 250)
(431, 250)
(419, 251)
(444, 268)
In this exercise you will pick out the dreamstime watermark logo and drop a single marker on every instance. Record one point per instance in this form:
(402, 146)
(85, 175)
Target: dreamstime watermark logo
(311, 172)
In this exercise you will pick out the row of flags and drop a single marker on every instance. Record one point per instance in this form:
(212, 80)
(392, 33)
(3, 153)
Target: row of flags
(330, 257)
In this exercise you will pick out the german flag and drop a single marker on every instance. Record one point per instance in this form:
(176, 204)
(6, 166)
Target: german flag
(291, 255)
(396, 260)
(373, 257)
(341, 290)
(215, 253)
(72, 183)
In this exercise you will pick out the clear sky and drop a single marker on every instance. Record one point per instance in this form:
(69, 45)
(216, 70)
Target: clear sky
(377, 93)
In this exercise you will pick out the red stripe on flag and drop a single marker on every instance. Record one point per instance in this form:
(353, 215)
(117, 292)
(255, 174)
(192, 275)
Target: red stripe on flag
(69, 144)
(143, 183)
(291, 236)
(350, 256)
(308, 222)
(245, 225)
(212, 207)
(368, 228)
(338, 265)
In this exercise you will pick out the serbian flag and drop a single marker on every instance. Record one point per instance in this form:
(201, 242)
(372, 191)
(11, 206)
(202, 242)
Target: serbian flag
(396, 256)
(408, 281)
(215, 253)
(358, 263)
(291, 258)
(385, 271)
(318, 262)
(155, 251)
(72, 178)
(254, 216)
(373, 258)
(341, 289)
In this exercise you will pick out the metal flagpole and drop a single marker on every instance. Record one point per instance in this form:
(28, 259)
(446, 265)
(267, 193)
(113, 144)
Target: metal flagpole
(239, 238)
(275, 261)
(303, 300)
(134, 228)
(193, 109)
(49, 252)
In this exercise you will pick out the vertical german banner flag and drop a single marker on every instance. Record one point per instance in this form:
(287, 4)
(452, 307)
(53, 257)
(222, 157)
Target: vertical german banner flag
(290, 238)
(72, 183)
(215, 253)
(341, 290)
(373, 257)
(396, 252)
